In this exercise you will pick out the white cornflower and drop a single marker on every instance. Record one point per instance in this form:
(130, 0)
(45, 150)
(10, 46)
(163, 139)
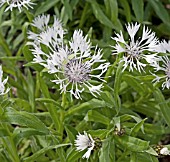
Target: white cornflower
(71, 63)
(17, 4)
(163, 65)
(134, 51)
(165, 151)
(164, 46)
(44, 31)
(85, 141)
(3, 90)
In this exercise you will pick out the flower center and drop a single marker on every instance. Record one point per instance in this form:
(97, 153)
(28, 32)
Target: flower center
(76, 71)
(133, 50)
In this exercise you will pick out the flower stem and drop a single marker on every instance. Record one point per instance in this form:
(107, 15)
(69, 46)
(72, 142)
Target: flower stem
(8, 142)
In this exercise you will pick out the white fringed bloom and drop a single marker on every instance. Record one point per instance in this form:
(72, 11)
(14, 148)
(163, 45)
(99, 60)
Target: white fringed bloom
(70, 63)
(164, 47)
(85, 141)
(3, 90)
(17, 4)
(134, 50)
(164, 66)
(165, 151)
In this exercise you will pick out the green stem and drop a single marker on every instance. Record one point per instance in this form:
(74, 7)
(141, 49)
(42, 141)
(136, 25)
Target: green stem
(9, 143)
(117, 83)
(10, 146)
(64, 99)
(62, 113)
(52, 109)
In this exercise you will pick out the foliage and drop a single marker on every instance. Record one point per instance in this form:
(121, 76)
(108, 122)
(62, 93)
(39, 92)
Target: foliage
(130, 116)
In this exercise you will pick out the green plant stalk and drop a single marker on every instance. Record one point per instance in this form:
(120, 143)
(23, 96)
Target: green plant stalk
(10, 146)
(118, 78)
(5, 45)
(8, 141)
(51, 108)
(62, 114)
(54, 116)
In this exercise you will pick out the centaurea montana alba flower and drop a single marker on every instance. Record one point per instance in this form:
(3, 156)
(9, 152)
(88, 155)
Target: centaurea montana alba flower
(3, 90)
(165, 151)
(17, 4)
(135, 51)
(85, 141)
(164, 66)
(71, 63)
(164, 46)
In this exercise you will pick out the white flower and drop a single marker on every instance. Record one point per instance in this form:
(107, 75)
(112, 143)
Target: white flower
(164, 66)
(164, 151)
(134, 50)
(17, 4)
(3, 90)
(85, 141)
(71, 63)
(44, 32)
(164, 46)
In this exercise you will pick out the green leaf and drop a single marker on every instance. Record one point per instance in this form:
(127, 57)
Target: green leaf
(160, 10)
(151, 151)
(155, 129)
(164, 29)
(4, 132)
(16, 58)
(51, 108)
(164, 108)
(71, 132)
(95, 116)
(30, 89)
(23, 104)
(48, 100)
(68, 8)
(45, 6)
(126, 9)
(114, 10)
(108, 98)
(137, 127)
(135, 84)
(99, 14)
(137, 6)
(44, 150)
(145, 157)
(23, 118)
(21, 133)
(133, 157)
(74, 155)
(107, 151)
(27, 53)
(117, 83)
(94, 103)
(132, 143)
(101, 133)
